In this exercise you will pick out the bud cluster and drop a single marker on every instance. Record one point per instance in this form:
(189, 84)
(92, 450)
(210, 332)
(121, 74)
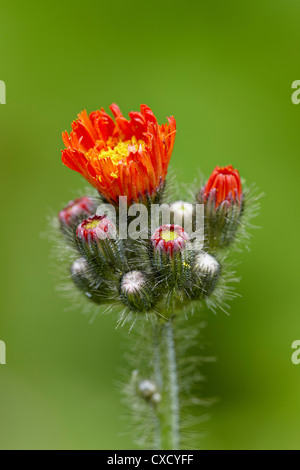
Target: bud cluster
(169, 269)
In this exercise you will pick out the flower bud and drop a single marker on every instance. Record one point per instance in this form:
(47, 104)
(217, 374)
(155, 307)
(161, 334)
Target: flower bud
(222, 197)
(147, 388)
(170, 255)
(206, 274)
(135, 291)
(156, 398)
(84, 279)
(97, 240)
(74, 212)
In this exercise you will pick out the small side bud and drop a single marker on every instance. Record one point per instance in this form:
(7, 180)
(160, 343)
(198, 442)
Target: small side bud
(222, 197)
(206, 274)
(170, 255)
(135, 291)
(74, 212)
(97, 240)
(83, 278)
(147, 388)
(156, 398)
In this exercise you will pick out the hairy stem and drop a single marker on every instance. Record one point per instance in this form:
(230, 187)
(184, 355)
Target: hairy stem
(165, 371)
(159, 382)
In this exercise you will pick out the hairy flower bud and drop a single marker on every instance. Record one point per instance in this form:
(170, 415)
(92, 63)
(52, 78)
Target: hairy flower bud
(83, 276)
(97, 240)
(156, 398)
(206, 274)
(147, 388)
(222, 197)
(170, 255)
(74, 212)
(135, 291)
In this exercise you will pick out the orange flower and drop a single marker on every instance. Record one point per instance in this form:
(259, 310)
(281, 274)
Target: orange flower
(122, 157)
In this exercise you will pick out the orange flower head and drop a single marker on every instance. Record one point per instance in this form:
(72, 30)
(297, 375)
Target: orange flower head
(120, 157)
(224, 185)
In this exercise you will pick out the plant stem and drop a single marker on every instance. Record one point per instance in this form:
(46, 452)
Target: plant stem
(159, 382)
(165, 371)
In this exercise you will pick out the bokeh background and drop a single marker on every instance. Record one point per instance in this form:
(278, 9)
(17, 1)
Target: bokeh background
(225, 70)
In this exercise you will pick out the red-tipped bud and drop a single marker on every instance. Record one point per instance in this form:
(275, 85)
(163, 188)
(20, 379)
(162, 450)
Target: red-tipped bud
(222, 197)
(169, 239)
(170, 255)
(75, 211)
(97, 239)
(224, 185)
(95, 228)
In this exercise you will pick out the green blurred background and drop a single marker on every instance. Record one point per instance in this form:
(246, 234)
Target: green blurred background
(225, 70)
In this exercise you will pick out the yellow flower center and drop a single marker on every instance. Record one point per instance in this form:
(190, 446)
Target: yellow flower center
(115, 150)
(92, 224)
(169, 235)
(118, 151)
